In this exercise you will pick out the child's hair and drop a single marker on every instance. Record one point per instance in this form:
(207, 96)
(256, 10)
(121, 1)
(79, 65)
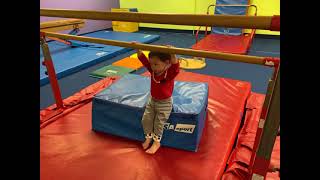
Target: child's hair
(162, 56)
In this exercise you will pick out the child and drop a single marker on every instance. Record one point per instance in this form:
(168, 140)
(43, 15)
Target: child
(163, 68)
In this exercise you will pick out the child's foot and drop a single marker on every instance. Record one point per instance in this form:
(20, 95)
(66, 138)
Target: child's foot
(153, 149)
(146, 143)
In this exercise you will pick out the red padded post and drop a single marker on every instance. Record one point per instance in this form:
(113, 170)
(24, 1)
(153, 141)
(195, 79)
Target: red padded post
(51, 72)
(273, 62)
(275, 23)
(268, 125)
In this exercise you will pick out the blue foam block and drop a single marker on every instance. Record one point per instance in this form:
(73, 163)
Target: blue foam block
(68, 60)
(229, 10)
(118, 110)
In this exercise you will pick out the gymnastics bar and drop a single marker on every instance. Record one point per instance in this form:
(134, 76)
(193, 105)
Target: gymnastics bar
(232, 21)
(60, 25)
(172, 50)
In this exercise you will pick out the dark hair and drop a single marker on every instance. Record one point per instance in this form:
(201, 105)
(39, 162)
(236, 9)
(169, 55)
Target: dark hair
(162, 56)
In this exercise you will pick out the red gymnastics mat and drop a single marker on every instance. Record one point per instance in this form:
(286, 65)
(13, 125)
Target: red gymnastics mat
(69, 149)
(240, 157)
(223, 43)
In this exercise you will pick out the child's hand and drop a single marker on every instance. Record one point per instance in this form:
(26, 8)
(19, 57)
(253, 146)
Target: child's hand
(174, 59)
(139, 52)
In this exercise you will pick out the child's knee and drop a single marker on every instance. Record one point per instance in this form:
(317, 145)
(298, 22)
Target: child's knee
(163, 116)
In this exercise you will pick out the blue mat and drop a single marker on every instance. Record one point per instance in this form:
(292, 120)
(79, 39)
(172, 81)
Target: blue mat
(118, 110)
(231, 10)
(68, 60)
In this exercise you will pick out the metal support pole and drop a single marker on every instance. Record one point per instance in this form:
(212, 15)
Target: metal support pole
(267, 132)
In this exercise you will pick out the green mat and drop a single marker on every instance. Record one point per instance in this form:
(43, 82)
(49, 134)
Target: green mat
(110, 70)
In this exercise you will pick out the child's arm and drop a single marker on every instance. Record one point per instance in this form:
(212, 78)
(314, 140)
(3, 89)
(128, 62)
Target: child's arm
(174, 59)
(174, 69)
(143, 59)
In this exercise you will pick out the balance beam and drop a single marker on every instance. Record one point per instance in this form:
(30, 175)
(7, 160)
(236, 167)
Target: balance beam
(172, 50)
(232, 21)
(61, 25)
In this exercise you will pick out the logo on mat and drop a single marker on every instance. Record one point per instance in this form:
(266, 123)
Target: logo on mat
(168, 126)
(100, 53)
(185, 128)
(110, 72)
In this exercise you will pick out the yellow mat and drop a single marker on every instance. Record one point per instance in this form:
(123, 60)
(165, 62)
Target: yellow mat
(146, 53)
(124, 26)
(185, 63)
(189, 63)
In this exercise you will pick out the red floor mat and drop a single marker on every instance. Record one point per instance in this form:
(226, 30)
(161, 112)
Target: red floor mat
(240, 157)
(70, 150)
(224, 43)
(50, 114)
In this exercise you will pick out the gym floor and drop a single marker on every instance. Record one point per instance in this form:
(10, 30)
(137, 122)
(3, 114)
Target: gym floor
(257, 75)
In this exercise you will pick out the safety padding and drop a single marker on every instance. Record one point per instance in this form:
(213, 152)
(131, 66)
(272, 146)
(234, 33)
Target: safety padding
(118, 110)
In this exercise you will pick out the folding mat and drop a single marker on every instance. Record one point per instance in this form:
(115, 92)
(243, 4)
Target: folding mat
(110, 70)
(223, 39)
(129, 62)
(229, 10)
